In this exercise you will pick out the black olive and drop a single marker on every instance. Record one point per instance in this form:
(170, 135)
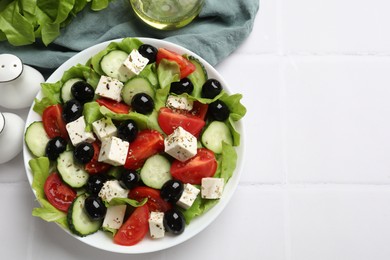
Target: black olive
(142, 103)
(183, 86)
(72, 110)
(130, 179)
(172, 190)
(218, 110)
(127, 130)
(174, 221)
(149, 52)
(83, 152)
(95, 208)
(82, 91)
(55, 147)
(95, 183)
(211, 88)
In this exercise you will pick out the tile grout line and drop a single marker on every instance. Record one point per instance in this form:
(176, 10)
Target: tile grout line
(282, 117)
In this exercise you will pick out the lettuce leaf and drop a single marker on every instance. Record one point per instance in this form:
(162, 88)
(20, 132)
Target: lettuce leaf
(122, 201)
(227, 162)
(23, 21)
(150, 72)
(167, 72)
(91, 113)
(226, 166)
(51, 93)
(142, 121)
(199, 207)
(40, 168)
(237, 111)
(16, 27)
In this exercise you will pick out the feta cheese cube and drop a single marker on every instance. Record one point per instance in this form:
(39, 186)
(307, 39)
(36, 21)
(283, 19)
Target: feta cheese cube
(109, 88)
(104, 128)
(188, 197)
(77, 133)
(134, 64)
(181, 144)
(212, 188)
(112, 189)
(114, 217)
(156, 226)
(179, 102)
(113, 151)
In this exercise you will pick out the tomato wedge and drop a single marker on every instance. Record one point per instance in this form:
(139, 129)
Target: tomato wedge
(58, 193)
(186, 67)
(53, 122)
(117, 107)
(199, 110)
(94, 166)
(135, 228)
(169, 120)
(202, 165)
(155, 202)
(146, 144)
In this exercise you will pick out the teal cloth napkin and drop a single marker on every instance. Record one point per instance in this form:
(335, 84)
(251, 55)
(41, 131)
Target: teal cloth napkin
(220, 28)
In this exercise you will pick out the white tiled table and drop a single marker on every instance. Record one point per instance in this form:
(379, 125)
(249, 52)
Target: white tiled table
(316, 181)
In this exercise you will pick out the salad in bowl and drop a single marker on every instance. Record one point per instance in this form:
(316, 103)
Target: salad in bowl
(134, 145)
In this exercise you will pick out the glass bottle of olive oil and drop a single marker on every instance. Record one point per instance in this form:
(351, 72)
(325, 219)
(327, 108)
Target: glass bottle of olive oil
(167, 14)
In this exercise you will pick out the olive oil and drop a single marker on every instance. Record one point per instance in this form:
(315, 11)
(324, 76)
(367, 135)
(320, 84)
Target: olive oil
(167, 14)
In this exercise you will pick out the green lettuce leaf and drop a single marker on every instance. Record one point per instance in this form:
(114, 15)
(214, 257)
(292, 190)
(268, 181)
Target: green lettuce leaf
(227, 162)
(51, 93)
(40, 168)
(167, 72)
(142, 121)
(98, 5)
(17, 29)
(22, 21)
(237, 111)
(122, 201)
(91, 113)
(150, 72)
(199, 207)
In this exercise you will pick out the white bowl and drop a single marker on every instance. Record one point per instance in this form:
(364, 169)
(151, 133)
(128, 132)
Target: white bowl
(104, 241)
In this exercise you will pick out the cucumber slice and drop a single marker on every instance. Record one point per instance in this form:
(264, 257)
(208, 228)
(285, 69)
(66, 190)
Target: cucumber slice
(71, 172)
(216, 133)
(36, 139)
(156, 171)
(66, 89)
(111, 64)
(78, 220)
(198, 77)
(134, 86)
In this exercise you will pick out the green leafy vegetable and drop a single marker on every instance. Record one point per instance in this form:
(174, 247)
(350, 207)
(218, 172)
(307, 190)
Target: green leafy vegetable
(199, 207)
(91, 113)
(41, 170)
(168, 72)
(142, 121)
(122, 201)
(22, 21)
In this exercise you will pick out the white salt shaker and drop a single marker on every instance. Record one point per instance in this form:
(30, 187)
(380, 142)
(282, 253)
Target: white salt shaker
(11, 136)
(19, 83)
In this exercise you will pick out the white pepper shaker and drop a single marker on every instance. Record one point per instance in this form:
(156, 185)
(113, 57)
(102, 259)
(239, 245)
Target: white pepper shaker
(11, 136)
(19, 83)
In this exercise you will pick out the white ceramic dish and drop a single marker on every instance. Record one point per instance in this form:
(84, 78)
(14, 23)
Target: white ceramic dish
(104, 241)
